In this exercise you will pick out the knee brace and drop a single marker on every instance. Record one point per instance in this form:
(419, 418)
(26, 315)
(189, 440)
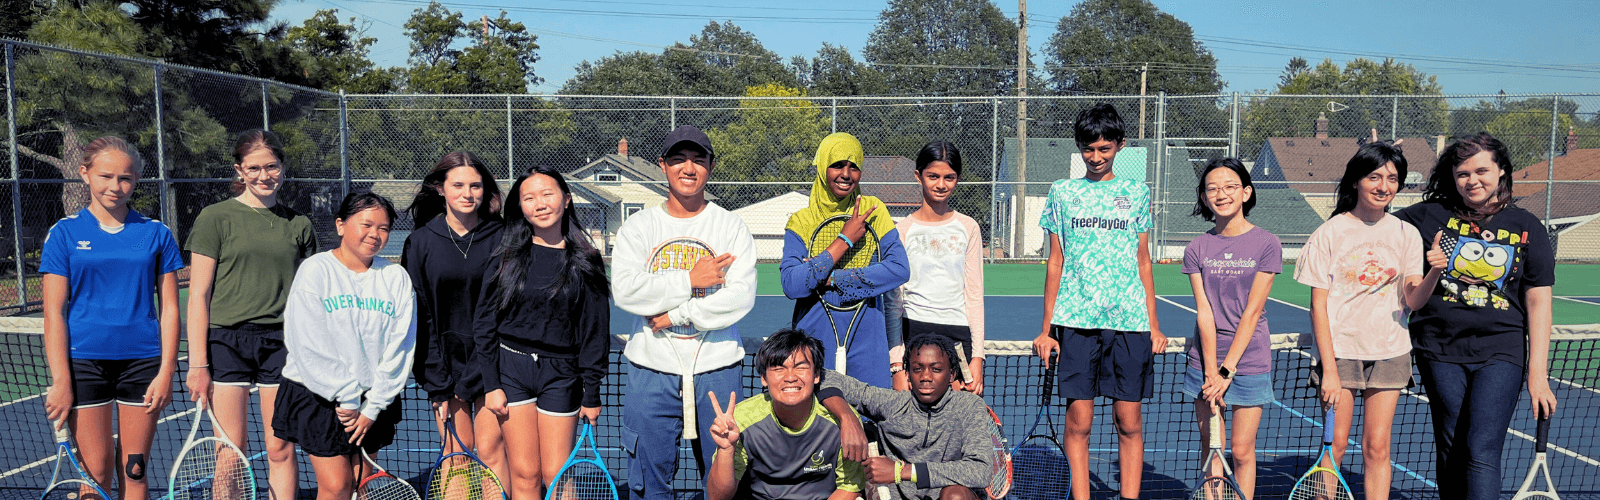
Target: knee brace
(135, 466)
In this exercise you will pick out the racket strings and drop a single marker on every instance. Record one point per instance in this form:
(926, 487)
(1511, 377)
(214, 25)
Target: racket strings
(1038, 469)
(212, 469)
(461, 478)
(1320, 485)
(583, 480)
(385, 487)
(858, 256)
(1216, 488)
(72, 489)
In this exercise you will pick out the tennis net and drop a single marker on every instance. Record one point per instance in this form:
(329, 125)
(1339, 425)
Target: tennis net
(1288, 440)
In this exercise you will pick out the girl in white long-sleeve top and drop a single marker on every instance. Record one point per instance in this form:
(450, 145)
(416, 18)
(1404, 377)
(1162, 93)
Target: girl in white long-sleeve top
(350, 328)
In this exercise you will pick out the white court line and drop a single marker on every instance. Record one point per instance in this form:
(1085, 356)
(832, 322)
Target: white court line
(1575, 300)
(1184, 307)
(1290, 304)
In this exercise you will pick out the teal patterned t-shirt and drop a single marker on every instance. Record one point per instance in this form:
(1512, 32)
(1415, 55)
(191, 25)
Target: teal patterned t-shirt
(1098, 226)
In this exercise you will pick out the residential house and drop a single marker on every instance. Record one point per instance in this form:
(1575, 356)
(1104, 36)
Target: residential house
(1049, 160)
(612, 187)
(1313, 166)
(1569, 208)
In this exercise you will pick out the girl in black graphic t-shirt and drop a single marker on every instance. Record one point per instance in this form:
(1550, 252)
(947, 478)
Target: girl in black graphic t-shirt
(1486, 327)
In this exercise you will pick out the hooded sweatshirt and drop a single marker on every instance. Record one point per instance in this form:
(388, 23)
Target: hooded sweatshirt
(447, 271)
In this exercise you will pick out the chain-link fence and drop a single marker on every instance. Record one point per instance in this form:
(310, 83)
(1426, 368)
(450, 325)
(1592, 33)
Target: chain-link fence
(184, 121)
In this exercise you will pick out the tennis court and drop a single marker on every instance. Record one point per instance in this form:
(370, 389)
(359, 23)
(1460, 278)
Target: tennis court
(1288, 440)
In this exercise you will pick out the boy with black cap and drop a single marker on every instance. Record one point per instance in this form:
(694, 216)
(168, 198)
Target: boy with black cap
(686, 269)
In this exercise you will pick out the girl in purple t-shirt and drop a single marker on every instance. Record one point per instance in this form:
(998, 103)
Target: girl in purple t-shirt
(1231, 268)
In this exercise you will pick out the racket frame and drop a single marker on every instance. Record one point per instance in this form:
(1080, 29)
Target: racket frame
(1540, 464)
(64, 450)
(686, 391)
(1329, 419)
(450, 429)
(377, 472)
(842, 345)
(227, 445)
(1045, 403)
(1002, 459)
(585, 441)
(1214, 424)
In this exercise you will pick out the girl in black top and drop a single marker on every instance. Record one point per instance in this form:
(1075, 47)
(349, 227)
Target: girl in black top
(541, 334)
(1486, 327)
(457, 216)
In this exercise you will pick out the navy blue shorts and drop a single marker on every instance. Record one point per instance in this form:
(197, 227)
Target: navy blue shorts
(551, 384)
(96, 382)
(248, 354)
(1108, 363)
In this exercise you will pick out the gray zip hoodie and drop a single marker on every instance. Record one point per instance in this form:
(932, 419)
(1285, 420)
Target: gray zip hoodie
(946, 442)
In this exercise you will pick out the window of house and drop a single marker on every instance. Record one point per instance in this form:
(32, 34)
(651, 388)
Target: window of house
(628, 209)
(608, 177)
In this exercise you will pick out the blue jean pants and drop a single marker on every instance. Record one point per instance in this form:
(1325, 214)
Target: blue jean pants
(1472, 404)
(652, 425)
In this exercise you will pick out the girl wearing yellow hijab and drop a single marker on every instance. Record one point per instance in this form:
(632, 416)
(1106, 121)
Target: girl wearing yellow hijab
(837, 284)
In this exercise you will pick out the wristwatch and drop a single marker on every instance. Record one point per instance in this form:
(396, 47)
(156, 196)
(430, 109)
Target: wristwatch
(1225, 372)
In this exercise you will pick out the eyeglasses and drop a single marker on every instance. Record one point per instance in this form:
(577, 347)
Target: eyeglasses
(1227, 190)
(256, 170)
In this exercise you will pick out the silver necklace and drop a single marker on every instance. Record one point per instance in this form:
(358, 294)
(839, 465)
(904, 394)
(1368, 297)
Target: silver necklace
(270, 222)
(457, 246)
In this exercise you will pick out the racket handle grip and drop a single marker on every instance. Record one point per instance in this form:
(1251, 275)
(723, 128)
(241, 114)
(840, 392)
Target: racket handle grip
(883, 490)
(1542, 435)
(62, 433)
(1329, 417)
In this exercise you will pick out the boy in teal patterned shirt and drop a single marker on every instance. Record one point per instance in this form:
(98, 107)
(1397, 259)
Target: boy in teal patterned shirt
(1099, 298)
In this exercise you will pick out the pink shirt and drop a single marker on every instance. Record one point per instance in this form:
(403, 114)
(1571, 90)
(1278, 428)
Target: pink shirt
(1362, 267)
(946, 285)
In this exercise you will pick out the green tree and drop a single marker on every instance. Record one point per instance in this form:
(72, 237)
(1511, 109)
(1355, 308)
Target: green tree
(1101, 47)
(20, 15)
(1406, 103)
(334, 55)
(834, 72)
(944, 47)
(497, 58)
(770, 140)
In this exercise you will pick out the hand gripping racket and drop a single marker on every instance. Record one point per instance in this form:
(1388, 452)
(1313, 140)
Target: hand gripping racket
(381, 485)
(461, 475)
(681, 254)
(211, 467)
(864, 253)
(1323, 483)
(1539, 464)
(584, 477)
(1216, 487)
(69, 482)
(1039, 465)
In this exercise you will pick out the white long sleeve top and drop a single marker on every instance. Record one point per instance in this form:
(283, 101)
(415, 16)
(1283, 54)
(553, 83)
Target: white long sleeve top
(704, 314)
(350, 335)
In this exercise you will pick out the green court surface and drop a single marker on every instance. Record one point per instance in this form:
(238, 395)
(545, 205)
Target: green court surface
(1572, 280)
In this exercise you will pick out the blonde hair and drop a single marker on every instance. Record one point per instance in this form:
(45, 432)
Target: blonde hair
(109, 144)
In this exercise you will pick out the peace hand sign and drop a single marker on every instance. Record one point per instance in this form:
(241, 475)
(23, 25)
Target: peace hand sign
(724, 430)
(856, 226)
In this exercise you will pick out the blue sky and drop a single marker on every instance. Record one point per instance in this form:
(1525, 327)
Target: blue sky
(1473, 46)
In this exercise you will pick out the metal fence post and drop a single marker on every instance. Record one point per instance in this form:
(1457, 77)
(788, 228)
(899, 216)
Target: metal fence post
(994, 177)
(1157, 246)
(1233, 127)
(344, 145)
(511, 159)
(1550, 174)
(16, 177)
(169, 213)
(1394, 118)
(266, 121)
(833, 123)
(673, 103)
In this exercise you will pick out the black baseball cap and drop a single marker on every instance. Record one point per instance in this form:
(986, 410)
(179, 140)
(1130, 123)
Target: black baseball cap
(689, 134)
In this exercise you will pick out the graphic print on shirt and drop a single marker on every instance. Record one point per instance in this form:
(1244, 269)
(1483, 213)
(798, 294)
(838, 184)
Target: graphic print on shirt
(1370, 269)
(935, 245)
(680, 254)
(1479, 263)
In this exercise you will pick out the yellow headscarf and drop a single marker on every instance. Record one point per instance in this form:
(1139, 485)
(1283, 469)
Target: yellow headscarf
(834, 148)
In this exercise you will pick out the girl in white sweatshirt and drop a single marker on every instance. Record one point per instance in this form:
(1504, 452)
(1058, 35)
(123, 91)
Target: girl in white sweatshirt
(349, 328)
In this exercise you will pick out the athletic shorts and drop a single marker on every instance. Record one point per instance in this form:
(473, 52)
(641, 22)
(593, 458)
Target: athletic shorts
(1356, 374)
(961, 334)
(552, 384)
(1245, 390)
(96, 382)
(304, 418)
(248, 354)
(1104, 363)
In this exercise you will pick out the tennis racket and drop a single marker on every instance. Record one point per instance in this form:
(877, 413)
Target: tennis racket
(211, 467)
(1216, 487)
(69, 482)
(864, 253)
(1539, 465)
(1323, 483)
(1039, 465)
(1000, 476)
(681, 254)
(461, 475)
(381, 485)
(585, 476)
(874, 449)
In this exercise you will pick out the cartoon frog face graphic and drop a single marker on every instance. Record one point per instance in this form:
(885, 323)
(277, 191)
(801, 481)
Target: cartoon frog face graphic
(1478, 261)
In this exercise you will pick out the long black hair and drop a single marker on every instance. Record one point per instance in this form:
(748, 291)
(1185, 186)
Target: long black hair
(1204, 210)
(582, 268)
(939, 151)
(430, 201)
(1370, 157)
(1442, 183)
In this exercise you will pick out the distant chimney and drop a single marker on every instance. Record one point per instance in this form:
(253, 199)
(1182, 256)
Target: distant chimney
(622, 147)
(1322, 125)
(1572, 141)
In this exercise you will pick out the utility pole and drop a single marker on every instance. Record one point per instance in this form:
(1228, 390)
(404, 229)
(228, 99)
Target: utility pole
(1022, 129)
(485, 29)
(1144, 72)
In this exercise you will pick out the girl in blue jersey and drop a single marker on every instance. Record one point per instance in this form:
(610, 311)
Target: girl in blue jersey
(104, 269)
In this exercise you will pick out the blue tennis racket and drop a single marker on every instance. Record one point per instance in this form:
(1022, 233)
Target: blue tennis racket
(1323, 483)
(69, 483)
(585, 476)
(461, 475)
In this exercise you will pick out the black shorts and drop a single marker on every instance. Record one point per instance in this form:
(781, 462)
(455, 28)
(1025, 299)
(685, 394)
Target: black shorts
(1108, 363)
(444, 379)
(961, 334)
(247, 354)
(304, 418)
(550, 383)
(96, 382)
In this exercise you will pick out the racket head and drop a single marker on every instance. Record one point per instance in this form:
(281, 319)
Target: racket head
(381, 485)
(210, 468)
(583, 479)
(681, 254)
(1039, 470)
(1321, 483)
(1216, 488)
(1000, 474)
(862, 254)
(74, 489)
(461, 476)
